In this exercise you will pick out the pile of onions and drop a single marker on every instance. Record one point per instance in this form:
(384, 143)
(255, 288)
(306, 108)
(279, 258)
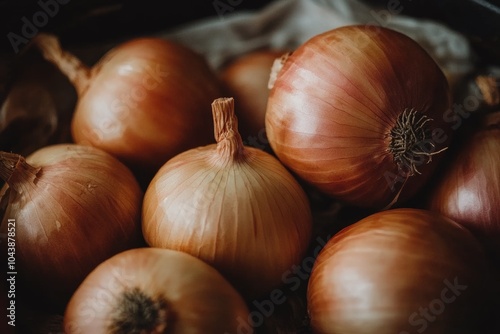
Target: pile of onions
(143, 102)
(246, 80)
(72, 206)
(468, 188)
(400, 271)
(358, 112)
(235, 207)
(151, 290)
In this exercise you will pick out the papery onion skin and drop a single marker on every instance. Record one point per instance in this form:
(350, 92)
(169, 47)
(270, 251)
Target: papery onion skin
(235, 207)
(172, 83)
(400, 271)
(78, 207)
(143, 102)
(468, 188)
(335, 101)
(195, 298)
(246, 79)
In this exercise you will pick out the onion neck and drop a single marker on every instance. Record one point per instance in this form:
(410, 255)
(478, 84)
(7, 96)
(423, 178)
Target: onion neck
(229, 143)
(77, 73)
(137, 312)
(15, 171)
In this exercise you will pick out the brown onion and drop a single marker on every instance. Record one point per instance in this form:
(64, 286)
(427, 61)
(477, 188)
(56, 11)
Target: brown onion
(400, 271)
(246, 80)
(151, 290)
(468, 188)
(235, 207)
(8, 303)
(143, 102)
(72, 207)
(357, 112)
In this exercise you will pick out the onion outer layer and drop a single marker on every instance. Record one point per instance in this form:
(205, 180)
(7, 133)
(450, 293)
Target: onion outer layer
(359, 112)
(143, 101)
(235, 207)
(400, 271)
(467, 190)
(72, 206)
(151, 290)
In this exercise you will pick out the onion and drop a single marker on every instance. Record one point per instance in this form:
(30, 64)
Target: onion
(358, 112)
(468, 188)
(246, 79)
(143, 102)
(72, 207)
(400, 271)
(149, 290)
(233, 206)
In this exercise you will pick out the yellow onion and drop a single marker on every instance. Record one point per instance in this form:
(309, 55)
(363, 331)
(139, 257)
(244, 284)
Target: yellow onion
(66, 208)
(236, 207)
(467, 189)
(246, 80)
(143, 101)
(151, 290)
(359, 113)
(400, 271)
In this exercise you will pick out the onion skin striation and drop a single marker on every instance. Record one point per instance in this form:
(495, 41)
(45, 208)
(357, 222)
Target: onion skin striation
(151, 290)
(468, 188)
(73, 206)
(358, 112)
(233, 206)
(400, 271)
(246, 80)
(143, 101)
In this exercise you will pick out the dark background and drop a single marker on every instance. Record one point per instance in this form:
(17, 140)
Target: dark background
(91, 21)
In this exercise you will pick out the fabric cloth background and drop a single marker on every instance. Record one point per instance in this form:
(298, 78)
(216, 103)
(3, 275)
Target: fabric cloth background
(285, 24)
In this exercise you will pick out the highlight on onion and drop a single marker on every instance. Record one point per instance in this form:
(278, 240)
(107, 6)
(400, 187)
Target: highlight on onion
(151, 290)
(143, 101)
(400, 271)
(467, 189)
(358, 112)
(235, 207)
(246, 79)
(70, 207)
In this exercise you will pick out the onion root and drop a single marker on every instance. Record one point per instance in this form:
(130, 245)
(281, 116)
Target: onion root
(137, 312)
